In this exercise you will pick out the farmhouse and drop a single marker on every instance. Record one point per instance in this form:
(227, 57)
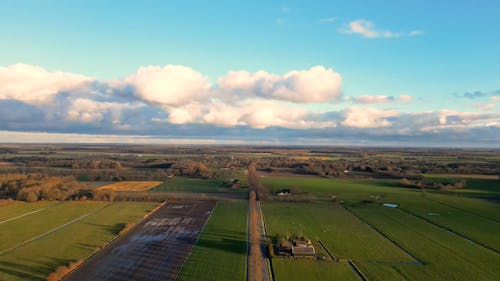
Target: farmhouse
(303, 248)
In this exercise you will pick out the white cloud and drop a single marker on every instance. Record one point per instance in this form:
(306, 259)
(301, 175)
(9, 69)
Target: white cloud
(373, 99)
(154, 100)
(35, 85)
(458, 120)
(171, 85)
(90, 111)
(317, 84)
(257, 113)
(367, 29)
(405, 98)
(415, 33)
(367, 99)
(484, 106)
(360, 117)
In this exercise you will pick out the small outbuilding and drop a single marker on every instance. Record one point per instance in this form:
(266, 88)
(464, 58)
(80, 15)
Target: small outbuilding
(303, 248)
(235, 183)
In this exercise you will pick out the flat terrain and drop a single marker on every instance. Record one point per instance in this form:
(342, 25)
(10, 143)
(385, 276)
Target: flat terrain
(182, 184)
(221, 251)
(431, 235)
(34, 245)
(313, 270)
(154, 250)
(131, 185)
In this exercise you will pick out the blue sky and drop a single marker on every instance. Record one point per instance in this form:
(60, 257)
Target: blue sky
(434, 51)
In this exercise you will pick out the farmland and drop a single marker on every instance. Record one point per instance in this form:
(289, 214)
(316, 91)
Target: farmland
(183, 184)
(306, 269)
(154, 250)
(131, 185)
(220, 253)
(64, 232)
(445, 256)
(334, 197)
(432, 235)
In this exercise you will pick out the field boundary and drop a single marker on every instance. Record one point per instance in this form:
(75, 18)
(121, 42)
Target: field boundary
(416, 260)
(357, 270)
(23, 215)
(264, 229)
(449, 230)
(332, 256)
(40, 236)
(115, 238)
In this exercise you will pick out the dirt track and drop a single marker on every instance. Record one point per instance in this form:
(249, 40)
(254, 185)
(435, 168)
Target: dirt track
(154, 250)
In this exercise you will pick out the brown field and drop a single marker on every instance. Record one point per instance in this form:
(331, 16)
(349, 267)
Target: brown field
(12, 177)
(470, 176)
(131, 185)
(154, 250)
(4, 164)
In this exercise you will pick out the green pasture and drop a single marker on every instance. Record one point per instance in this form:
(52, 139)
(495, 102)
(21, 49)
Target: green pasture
(35, 260)
(220, 252)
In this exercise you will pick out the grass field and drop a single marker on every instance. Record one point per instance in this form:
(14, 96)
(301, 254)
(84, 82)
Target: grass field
(475, 227)
(60, 241)
(131, 185)
(445, 255)
(311, 270)
(450, 232)
(182, 184)
(11, 210)
(343, 234)
(220, 253)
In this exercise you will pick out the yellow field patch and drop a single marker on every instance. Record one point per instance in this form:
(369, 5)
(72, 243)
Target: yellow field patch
(131, 185)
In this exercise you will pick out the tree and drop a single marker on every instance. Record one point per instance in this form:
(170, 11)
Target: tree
(27, 194)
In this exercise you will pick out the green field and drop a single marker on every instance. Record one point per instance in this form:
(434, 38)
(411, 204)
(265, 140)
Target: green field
(59, 241)
(220, 252)
(445, 255)
(345, 236)
(13, 209)
(182, 184)
(454, 234)
(311, 270)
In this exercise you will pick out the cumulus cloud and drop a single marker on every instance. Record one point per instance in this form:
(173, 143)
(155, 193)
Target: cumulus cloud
(171, 85)
(35, 85)
(373, 99)
(257, 113)
(453, 119)
(90, 111)
(367, 29)
(317, 84)
(179, 101)
(360, 117)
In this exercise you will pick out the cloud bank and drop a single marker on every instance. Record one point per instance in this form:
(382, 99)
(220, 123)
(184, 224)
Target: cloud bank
(175, 101)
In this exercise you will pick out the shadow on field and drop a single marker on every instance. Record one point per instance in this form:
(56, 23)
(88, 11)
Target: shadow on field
(115, 229)
(32, 269)
(229, 241)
